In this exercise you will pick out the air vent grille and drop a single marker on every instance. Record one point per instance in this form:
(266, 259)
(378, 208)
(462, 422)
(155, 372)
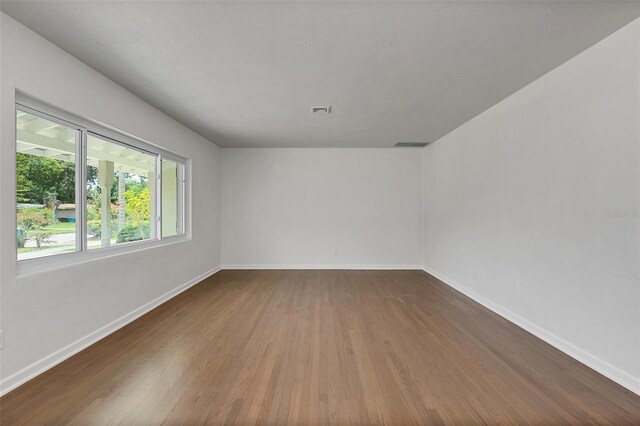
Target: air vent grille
(412, 144)
(321, 109)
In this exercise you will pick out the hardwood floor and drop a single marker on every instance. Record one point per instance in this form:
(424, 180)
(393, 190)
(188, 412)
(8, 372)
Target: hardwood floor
(333, 347)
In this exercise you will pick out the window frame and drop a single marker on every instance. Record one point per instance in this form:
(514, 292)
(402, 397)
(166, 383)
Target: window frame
(77, 166)
(83, 128)
(155, 182)
(181, 193)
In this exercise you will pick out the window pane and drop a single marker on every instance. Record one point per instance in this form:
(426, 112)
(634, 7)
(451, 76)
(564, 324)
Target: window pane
(45, 187)
(171, 203)
(120, 193)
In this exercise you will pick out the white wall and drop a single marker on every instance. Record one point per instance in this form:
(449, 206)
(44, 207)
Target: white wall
(43, 313)
(293, 207)
(516, 207)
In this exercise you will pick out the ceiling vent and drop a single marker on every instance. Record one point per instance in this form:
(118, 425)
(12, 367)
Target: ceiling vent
(412, 144)
(321, 109)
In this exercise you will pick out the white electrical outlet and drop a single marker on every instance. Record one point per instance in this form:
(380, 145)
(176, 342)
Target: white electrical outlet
(1, 339)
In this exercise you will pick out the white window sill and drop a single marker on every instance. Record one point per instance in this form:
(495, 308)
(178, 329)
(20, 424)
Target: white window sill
(58, 261)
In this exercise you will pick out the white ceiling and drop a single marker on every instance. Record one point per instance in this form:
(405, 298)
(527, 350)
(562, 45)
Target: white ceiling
(246, 74)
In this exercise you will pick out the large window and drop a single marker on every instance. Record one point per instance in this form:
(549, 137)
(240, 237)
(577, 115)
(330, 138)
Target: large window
(133, 192)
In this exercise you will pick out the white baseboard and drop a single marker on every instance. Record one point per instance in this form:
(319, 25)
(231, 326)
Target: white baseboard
(60, 355)
(324, 266)
(586, 358)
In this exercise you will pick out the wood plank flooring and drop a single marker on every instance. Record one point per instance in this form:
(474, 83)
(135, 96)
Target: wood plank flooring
(310, 347)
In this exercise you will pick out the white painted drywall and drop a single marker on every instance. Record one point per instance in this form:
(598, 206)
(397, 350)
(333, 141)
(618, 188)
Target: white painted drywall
(518, 206)
(294, 207)
(43, 313)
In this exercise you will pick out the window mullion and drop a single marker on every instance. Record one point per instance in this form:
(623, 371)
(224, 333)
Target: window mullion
(78, 191)
(182, 190)
(82, 211)
(158, 200)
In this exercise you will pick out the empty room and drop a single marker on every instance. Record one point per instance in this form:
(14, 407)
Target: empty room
(319, 212)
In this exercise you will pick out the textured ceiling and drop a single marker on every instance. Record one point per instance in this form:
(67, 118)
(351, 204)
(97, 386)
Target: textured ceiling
(246, 74)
